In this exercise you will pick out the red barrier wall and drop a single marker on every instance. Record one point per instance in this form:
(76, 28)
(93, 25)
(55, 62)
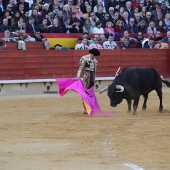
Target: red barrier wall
(53, 64)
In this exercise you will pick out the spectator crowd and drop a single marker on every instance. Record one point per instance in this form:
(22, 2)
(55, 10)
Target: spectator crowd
(104, 17)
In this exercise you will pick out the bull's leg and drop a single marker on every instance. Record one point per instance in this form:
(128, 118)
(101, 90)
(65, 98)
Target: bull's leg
(145, 100)
(129, 102)
(135, 105)
(159, 92)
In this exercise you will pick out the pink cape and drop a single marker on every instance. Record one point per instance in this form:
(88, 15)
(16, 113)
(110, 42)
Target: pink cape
(90, 102)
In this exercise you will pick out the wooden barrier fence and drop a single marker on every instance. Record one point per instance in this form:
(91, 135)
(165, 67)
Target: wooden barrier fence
(52, 64)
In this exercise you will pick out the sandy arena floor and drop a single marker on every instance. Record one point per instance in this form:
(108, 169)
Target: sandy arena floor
(47, 132)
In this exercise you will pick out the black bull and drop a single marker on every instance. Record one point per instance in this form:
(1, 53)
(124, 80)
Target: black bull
(133, 82)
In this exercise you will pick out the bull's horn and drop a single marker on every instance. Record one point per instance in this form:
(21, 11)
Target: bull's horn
(104, 89)
(120, 87)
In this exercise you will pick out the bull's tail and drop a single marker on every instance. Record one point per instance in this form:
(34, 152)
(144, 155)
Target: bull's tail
(166, 82)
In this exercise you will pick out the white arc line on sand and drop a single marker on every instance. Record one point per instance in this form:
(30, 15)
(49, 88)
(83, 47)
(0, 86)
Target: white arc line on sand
(133, 166)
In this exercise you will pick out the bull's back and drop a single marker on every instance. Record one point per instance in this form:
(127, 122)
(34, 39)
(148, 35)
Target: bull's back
(142, 80)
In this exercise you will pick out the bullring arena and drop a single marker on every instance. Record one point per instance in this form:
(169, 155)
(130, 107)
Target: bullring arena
(48, 132)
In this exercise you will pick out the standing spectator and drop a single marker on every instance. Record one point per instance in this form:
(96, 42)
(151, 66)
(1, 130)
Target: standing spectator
(167, 38)
(131, 28)
(96, 43)
(39, 37)
(119, 26)
(105, 20)
(125, 45)
(83, 45)
(150, 44)
(98, 29)
(151, 29)
(56, 28)
(110, 44)
(162, 27)
(160, 44)
(167, 20)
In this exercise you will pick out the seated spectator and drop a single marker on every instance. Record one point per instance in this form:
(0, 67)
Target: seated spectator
(140, 37)
(125, 45)
(66, 27)
(143, 11)
(39, 37)
(137, 17)
(60, 47)
(110, 44)
(19, 25)
(56, 28)
(45, 10)
(98, 29)
(100, 14)
(83, 45)
(99, 4)
(157, 35)
(167, 20)
(4, 25)
(164, 8)
(30, 26)
(72, 18)
(44, 27)
(142, 27)
(119, 27)
(87, 27)
(96, 43)
(27, 37)
(77, 27)
(16, 18)
(159, 18)
(116, 18)
(78, 12)
(37, 17)
(131, 39)
(131, 27)
(167, 38)
(102, 38)
(148, 18)
(160, 44)
(7, 37)
(150, 44)
(66, 11)
(109, 28)
(162, 27)
(19, 39)
(151, 29)
(105, 19)
(156, 11)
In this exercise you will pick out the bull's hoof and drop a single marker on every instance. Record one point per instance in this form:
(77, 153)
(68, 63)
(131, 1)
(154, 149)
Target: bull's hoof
(85, 113)
(128, 111)
(144, 108)
(134, 114)
(160, 109)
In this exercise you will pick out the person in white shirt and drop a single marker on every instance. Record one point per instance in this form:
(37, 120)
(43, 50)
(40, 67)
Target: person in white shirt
(98, 29)
(110, 44)
(83, 45)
